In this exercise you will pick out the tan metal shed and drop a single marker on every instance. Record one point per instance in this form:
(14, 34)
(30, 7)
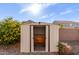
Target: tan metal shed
(39, 37)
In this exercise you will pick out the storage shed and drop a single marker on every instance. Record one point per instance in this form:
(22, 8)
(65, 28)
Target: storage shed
(39, 37)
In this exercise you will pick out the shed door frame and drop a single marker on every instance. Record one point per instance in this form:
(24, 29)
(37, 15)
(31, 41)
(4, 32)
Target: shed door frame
(32, 40)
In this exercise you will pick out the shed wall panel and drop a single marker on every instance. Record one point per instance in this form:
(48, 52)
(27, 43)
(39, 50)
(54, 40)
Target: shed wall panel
(25, 38)
(54, 38)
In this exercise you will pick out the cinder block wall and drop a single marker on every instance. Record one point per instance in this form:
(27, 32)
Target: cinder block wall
(69, 34)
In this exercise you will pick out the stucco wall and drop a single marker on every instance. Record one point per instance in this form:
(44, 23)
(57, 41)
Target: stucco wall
(69, 34)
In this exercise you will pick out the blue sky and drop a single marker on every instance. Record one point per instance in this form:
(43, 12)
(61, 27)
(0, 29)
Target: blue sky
(40, 12)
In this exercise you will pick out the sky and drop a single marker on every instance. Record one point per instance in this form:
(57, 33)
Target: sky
(40, 12)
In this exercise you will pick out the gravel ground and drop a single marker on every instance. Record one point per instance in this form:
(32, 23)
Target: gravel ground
(10, 49)
(15, 49)
(75, 46)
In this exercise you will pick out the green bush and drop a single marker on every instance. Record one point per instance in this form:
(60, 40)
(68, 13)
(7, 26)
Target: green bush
(9, 31)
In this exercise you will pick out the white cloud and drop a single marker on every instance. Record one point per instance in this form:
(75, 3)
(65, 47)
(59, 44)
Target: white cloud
(66, 12)
(43, 17)
(47, 16)
(35, 8)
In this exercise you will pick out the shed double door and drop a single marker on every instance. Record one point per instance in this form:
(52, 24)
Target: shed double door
(39, 38)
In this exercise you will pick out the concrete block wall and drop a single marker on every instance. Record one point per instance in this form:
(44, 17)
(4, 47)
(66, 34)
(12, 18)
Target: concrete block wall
(69, 34)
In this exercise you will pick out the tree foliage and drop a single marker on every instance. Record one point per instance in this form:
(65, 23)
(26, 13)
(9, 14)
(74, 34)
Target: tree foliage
(61, 26)
(9, 31)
